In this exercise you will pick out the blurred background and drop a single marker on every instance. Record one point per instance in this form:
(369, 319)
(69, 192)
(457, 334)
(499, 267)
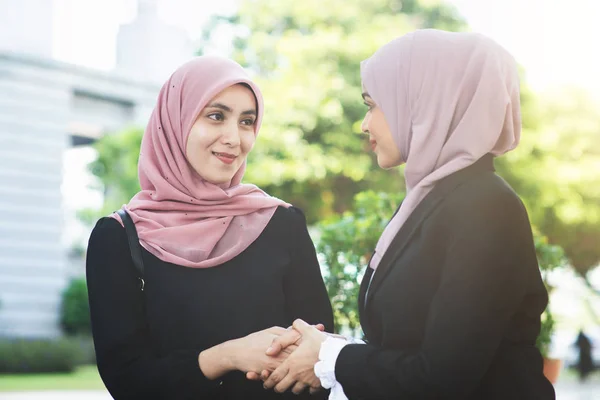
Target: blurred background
(79, 78)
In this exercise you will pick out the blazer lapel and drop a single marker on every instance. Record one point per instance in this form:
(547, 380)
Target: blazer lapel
(364, 285)
(421, 212)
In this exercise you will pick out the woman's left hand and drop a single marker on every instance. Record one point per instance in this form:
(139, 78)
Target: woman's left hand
(298, 369)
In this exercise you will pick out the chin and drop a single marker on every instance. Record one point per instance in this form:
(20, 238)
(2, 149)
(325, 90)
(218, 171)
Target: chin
(217, 174)
(384, 164)
(219, 181)
(388, 164)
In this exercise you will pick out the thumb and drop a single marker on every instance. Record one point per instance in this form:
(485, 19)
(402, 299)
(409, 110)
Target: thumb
(301, 326)
(283, 341)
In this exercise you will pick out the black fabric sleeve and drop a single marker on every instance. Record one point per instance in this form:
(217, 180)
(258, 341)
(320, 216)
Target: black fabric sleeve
(305, 293)
(489, 259)
(126, 362)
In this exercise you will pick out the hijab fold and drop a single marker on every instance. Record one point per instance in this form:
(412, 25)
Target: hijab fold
(449, 99)
(181, 218)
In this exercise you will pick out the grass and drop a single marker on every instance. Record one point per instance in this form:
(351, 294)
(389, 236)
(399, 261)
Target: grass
(84, 378)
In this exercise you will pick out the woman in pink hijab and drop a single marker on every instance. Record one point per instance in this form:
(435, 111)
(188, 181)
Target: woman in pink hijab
(451, 302)
(222, 260)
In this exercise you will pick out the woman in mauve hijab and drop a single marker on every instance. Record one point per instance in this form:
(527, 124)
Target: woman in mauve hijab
(223, 260)
(451, 301)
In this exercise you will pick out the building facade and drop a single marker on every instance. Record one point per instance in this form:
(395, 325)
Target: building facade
(46, 107)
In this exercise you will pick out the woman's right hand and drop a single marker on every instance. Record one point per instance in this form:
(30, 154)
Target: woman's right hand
(245, 354)
(284, 343)
(249, 353)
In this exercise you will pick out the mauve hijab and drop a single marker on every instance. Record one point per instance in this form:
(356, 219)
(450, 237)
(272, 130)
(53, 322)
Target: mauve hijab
(449, 99)
(180, 217)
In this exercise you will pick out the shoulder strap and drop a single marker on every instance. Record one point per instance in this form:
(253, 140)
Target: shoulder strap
(134, 244)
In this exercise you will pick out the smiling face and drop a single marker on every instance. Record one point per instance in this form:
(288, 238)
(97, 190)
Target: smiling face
(223, 134)
(380, 135)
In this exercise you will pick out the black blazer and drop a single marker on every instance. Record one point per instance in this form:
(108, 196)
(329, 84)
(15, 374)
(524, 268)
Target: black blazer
(453, 311)
(147, 343)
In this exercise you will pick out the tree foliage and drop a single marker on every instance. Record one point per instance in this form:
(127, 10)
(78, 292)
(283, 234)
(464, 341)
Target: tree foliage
(556, 170)
(306, 56)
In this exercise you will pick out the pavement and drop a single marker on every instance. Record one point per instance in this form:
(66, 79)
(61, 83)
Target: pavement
(566, 389)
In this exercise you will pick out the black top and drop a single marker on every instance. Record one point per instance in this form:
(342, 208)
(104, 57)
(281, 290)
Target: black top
(453, 310)
(153, 353)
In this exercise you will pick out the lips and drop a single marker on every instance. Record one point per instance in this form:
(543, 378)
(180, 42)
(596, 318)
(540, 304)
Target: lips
(226, 158)
(373, 144)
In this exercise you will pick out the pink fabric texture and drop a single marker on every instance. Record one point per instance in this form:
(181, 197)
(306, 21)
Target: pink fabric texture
(449, 99)
(181, 218)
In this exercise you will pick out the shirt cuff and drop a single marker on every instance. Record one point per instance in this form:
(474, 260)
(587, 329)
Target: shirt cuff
(352, 340)
(325, 367)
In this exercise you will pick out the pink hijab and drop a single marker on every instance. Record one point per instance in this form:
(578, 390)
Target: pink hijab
(181, 218)
(449, 99)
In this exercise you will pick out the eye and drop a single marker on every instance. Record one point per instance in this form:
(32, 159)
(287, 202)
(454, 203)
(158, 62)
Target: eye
(369, 106)
(216, 116)
(248, 121)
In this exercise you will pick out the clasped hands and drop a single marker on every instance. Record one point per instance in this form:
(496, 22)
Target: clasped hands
(296, 350)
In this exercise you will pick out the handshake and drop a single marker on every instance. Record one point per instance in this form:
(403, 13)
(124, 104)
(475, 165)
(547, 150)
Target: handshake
(281, 358)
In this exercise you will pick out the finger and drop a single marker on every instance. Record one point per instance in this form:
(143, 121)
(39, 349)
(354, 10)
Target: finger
(298, 388)
(253, 376)
(316, 384)
(335, 335)
(320, 327)
(277, 376)
(277, 330)
(265, 375)
(287, 351)
(285, 384)
(281, 342)
(314, 390)
(302, 326)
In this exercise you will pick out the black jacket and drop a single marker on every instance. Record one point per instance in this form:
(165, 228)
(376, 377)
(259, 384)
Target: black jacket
(147, 343)
(453, 310)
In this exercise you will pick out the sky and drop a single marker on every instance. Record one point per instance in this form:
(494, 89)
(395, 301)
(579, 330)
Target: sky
(555, 40)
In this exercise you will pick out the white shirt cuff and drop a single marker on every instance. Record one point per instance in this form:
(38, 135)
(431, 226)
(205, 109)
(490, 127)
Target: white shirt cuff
(355, 341)
(325, 367)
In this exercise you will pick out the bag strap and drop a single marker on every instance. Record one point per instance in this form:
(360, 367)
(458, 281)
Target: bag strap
(134, 245)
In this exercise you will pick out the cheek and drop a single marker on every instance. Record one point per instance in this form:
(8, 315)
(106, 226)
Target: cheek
(247, 142)
(377, 121)
(197, 143)
(191, 146)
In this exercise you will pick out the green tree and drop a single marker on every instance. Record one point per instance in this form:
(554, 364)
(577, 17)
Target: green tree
(306, 59)
(345, 244)
(75, 311)
(116, 169)
(306, 56)
(556, 170)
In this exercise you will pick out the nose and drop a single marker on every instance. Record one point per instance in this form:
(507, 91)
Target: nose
(231, 135)
(365, 124)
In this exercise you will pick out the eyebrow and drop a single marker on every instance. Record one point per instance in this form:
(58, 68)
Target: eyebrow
(225, 108)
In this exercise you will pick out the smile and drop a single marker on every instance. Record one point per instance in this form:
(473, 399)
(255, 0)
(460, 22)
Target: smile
(225, 157)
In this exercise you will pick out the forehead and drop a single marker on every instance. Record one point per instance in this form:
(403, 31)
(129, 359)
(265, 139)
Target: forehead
(237, 90)
(236, 94)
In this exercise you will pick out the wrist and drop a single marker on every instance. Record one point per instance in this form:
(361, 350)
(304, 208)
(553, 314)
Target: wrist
(229, 360)
(217, 360)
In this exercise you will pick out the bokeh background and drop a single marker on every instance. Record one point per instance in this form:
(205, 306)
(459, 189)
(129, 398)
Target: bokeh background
(79, 78)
